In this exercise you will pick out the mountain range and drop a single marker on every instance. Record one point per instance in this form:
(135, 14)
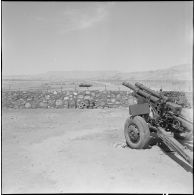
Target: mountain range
(178, 72)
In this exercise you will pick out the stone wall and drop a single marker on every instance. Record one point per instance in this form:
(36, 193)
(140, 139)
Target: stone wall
(66, 99)
(184, 99)
(80, 99)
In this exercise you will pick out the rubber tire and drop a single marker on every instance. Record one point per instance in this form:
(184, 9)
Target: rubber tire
(143, 128)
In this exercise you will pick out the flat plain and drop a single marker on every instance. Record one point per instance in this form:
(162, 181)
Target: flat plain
(80, 151)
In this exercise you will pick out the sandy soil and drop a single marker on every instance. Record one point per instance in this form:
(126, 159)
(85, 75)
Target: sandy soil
(54, 151)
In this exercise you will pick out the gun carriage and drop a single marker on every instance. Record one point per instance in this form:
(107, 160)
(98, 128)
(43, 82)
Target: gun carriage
(155, 113)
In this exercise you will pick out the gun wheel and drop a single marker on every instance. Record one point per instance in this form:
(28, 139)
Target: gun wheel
(137, 133)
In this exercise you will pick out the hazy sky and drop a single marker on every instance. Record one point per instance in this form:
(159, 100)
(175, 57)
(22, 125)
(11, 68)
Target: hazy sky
(125, 36)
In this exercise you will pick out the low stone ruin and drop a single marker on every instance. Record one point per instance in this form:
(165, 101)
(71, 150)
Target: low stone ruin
(181, 98)
(79, 99)
(66, 99)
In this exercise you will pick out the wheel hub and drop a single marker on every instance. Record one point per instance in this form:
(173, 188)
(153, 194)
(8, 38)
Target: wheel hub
(134, 133)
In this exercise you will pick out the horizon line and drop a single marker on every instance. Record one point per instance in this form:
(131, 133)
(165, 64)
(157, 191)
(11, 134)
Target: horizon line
(119, 71)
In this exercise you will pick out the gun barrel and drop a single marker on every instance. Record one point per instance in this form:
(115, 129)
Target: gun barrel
(154, 93)
(140, 92)
(130, 86)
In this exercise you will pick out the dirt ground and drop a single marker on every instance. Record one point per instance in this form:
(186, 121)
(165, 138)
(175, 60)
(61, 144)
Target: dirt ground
(55, 151)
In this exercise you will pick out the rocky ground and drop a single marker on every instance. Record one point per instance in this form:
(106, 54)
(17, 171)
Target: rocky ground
(71, 150)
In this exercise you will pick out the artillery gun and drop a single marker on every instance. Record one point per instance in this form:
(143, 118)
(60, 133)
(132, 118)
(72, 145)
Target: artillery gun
(154, 113)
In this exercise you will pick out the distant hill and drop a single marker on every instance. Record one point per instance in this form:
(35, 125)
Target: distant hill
(179, 72)
(53, 75)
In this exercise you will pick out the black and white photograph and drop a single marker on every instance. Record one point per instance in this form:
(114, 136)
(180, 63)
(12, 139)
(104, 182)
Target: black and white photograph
(97, 97)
